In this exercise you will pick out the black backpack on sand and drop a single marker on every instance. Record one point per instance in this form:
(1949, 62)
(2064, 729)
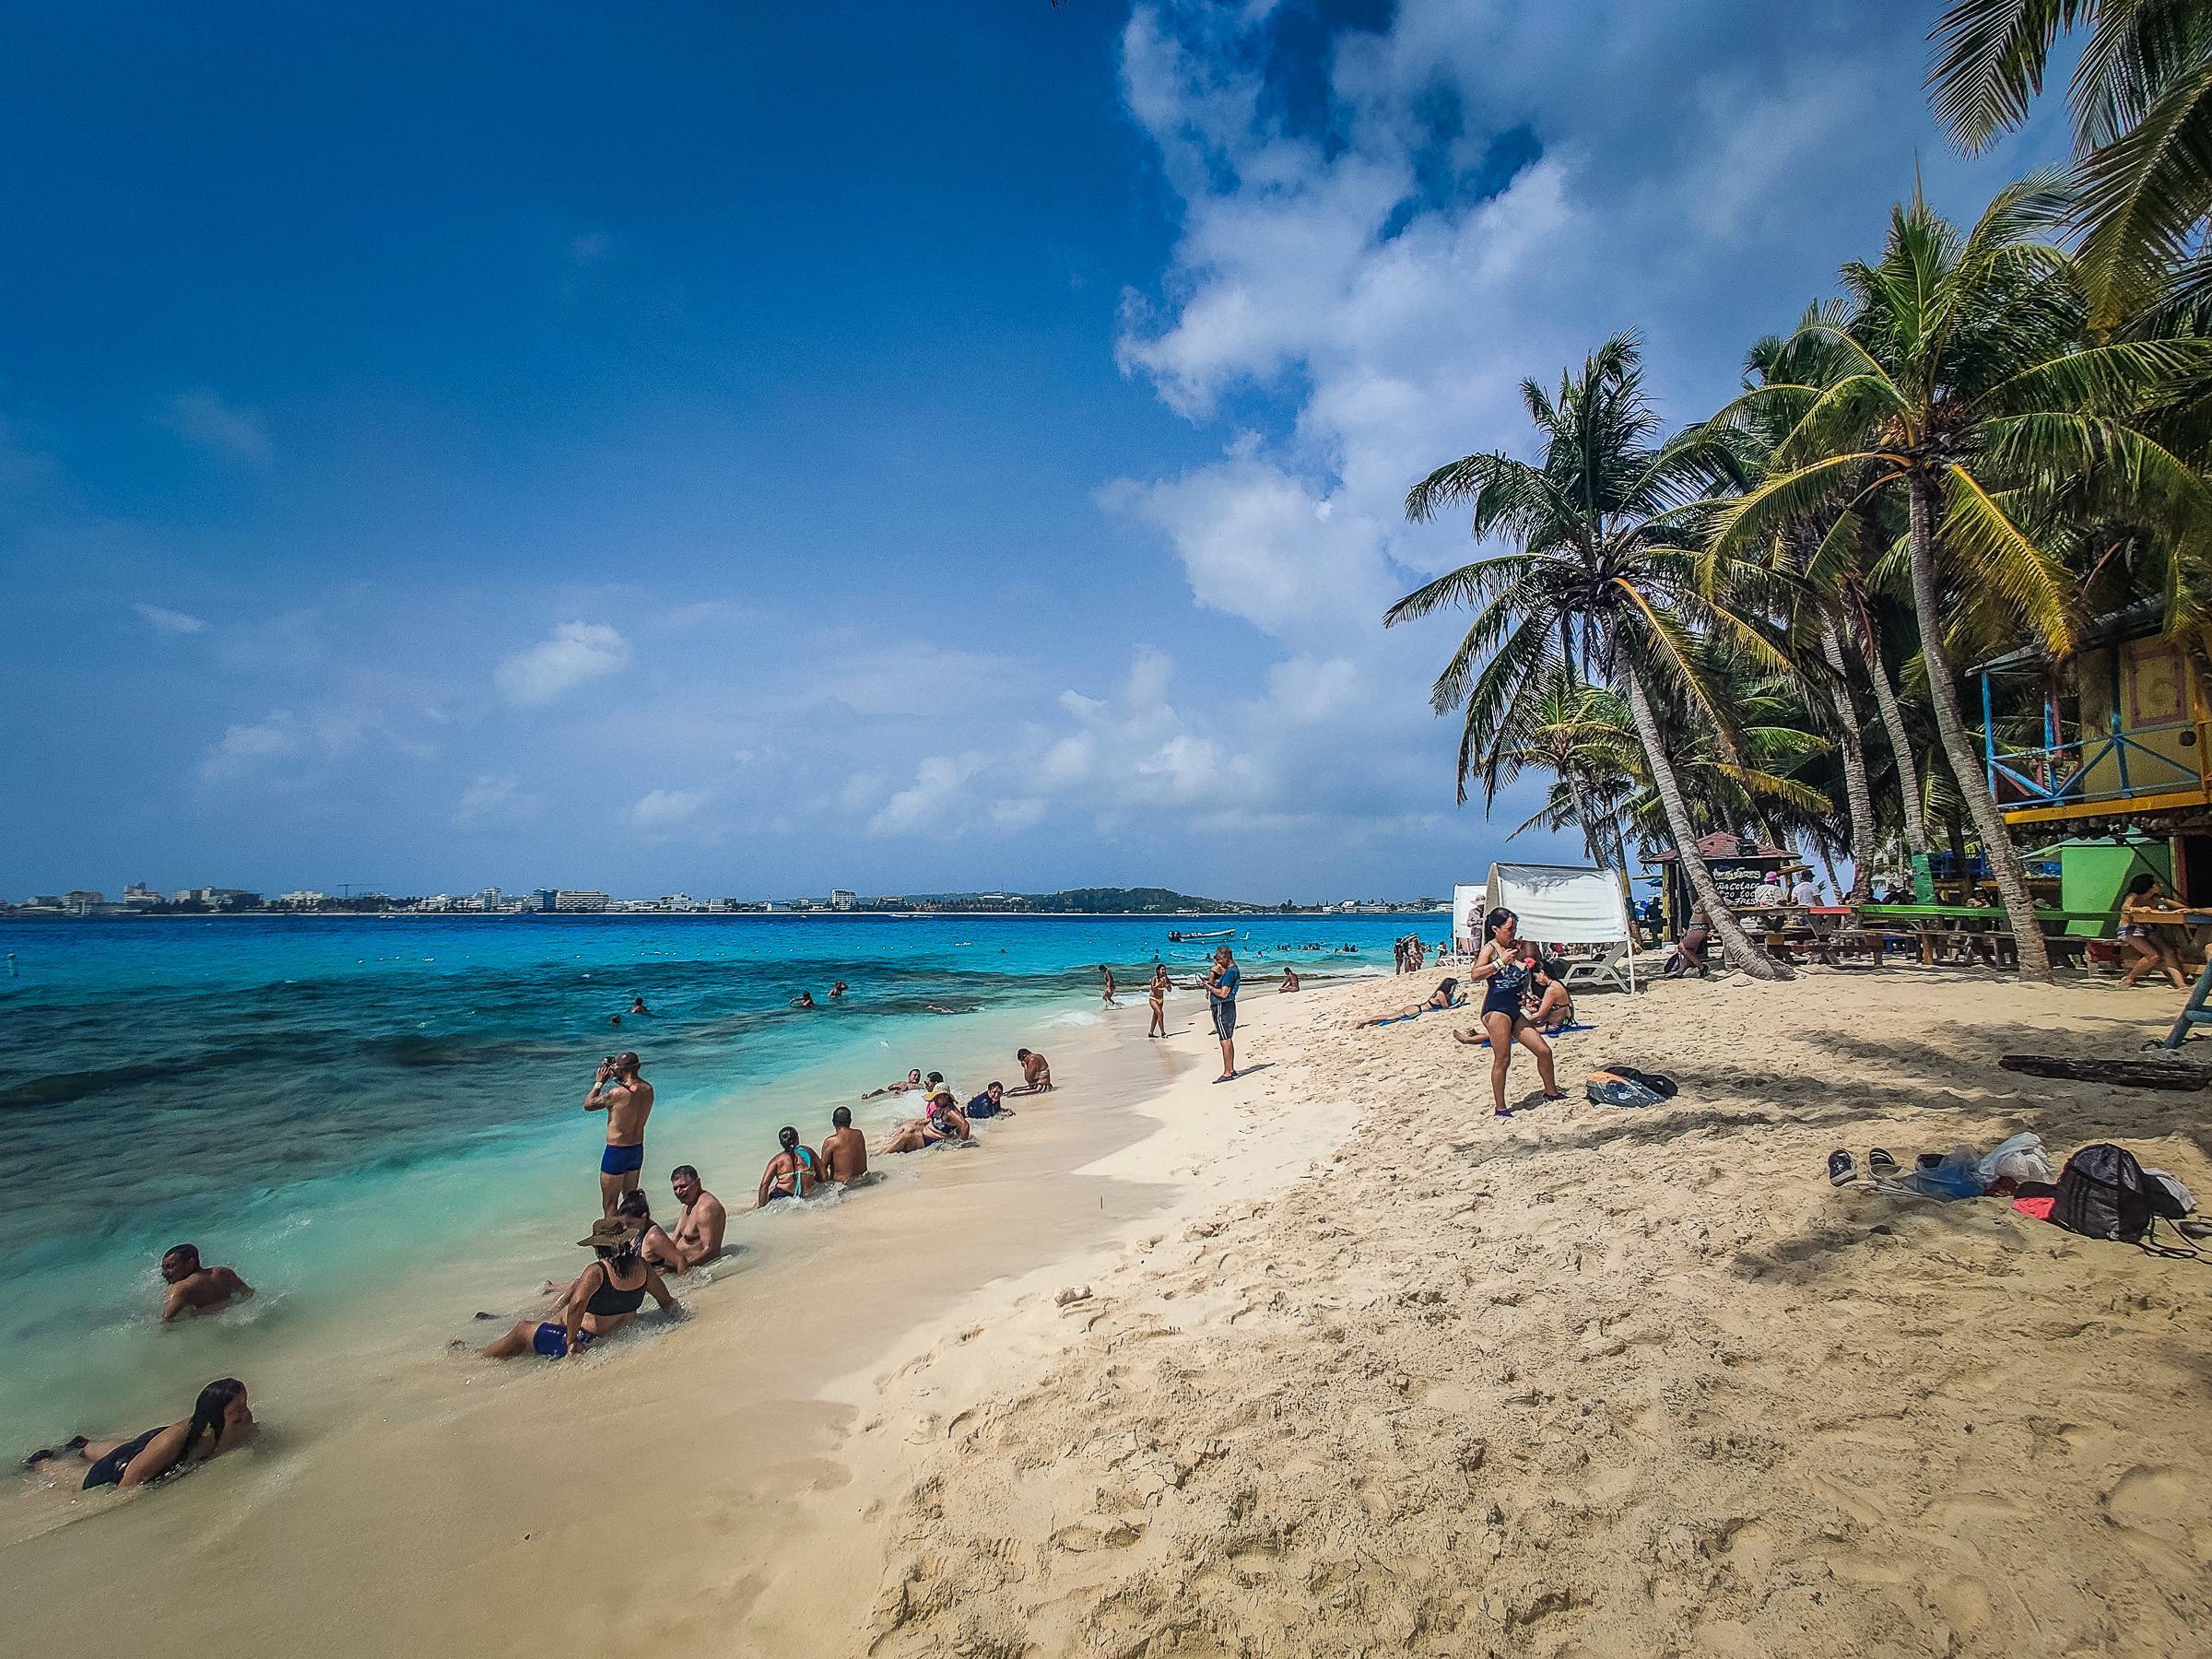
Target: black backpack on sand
(2103, 1194)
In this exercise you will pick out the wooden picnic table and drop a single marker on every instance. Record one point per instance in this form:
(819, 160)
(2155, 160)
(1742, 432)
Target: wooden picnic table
(1976, 929)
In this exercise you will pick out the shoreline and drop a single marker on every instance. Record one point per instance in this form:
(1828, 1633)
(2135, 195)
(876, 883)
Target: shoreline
(739, 1397)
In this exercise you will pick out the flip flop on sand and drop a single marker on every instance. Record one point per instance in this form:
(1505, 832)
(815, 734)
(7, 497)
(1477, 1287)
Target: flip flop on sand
(1880, 1163)
(1842, 1168)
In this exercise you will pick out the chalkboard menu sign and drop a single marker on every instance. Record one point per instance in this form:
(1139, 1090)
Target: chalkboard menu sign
(1738, 878)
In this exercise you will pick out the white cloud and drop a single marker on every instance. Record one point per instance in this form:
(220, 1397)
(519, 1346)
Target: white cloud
(936, 798)
(492, 795)
(1010, 816)
(203, 419)
(577, 653)
(170, 621)
(281, 739)
(664, 809)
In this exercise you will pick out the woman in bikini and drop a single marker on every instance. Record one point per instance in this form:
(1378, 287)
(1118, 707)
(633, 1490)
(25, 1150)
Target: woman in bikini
(1446, 996)
(1160, 1001)
(1505, 961)
(605, 1298)
(221, 1417)
(1550, 1006)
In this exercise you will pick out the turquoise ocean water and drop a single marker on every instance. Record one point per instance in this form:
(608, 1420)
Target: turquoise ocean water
(342, 1108)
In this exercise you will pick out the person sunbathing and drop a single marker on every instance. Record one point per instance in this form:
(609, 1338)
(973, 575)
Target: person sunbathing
(911, 1080)
(219, 1414)
(1550, 1006)
(1445, 996)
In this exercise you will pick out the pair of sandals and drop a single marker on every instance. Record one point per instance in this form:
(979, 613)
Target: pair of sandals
(1843, 1170)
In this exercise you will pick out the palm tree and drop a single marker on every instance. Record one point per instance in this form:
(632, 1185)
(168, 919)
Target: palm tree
(1602, 554)
(1969, 394)
(1562, 725)
(2142, 105)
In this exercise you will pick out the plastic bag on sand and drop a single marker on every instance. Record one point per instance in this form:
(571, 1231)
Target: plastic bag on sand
(1957, 1176)
(2020, 1159)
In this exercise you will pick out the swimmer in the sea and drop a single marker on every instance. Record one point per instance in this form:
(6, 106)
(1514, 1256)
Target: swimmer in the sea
(220, 1417)
(605, 1297)
(805, 999)
(1036, 1072)
(193, 1289)
(638, 1007)
(699, 1227)
(791, 1173)
(838, 989)
(845, 1153)
(911, 1080)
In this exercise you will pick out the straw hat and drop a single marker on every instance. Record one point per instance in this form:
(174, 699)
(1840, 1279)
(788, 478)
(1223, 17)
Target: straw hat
(612, 1232)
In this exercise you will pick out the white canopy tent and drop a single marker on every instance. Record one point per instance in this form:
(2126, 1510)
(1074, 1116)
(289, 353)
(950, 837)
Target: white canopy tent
(1557, 904)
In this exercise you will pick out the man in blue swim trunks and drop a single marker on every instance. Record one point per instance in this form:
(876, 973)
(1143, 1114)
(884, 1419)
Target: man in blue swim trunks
(627, 1099)
(1221, 991)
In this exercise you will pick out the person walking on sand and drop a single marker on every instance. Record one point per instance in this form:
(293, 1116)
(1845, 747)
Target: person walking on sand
(1221, 991)
(1504, 961)
(1106, 976)
(1158, 992)
(702, 1221)
(193, 1289)
(845, 1153)
(220, 1413)
(627, 1099)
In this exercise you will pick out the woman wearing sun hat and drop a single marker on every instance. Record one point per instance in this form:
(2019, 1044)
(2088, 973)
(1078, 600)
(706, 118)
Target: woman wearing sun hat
(605, 1298)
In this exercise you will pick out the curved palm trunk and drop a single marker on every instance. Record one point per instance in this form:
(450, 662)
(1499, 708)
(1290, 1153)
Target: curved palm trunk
(2005, 864)
(1750, 957)
(1858, 794)
(1597, 829)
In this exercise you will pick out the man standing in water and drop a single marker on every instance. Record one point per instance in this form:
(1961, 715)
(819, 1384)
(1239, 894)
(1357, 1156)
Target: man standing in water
(627, 1099)
(700, 1229)
(1221, 991)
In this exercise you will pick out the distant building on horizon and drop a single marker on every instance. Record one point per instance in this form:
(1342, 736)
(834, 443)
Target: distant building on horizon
(569, 901)
(842, 898)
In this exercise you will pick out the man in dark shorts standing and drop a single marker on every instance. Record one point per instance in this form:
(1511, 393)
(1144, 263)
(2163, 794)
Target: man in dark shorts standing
(627, 1099)
(1221, 991)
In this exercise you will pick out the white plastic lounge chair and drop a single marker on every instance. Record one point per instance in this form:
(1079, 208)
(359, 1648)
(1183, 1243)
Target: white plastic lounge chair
(1611, 968)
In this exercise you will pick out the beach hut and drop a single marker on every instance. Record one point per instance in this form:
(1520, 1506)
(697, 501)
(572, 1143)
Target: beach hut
(1562, 904)
(1738, 865)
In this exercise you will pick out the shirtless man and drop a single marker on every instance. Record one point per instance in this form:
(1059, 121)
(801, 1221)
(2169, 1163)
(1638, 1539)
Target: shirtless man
(914, 1080)
(845, 1153)
(193, 1289)
(699, 1227)
(627, 1099)
(792, 1172)
(1036, 1072)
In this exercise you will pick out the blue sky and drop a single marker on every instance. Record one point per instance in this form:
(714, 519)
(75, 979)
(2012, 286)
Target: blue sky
(750, 449)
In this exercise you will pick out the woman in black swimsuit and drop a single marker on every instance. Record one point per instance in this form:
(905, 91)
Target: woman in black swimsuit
(605, 1298)
(1503, 960)
(220, 1416)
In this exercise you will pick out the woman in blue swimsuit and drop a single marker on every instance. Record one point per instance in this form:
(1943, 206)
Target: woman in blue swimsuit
(1504, 961)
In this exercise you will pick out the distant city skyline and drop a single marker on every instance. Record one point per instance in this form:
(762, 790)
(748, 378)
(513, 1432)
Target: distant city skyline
(698, 446)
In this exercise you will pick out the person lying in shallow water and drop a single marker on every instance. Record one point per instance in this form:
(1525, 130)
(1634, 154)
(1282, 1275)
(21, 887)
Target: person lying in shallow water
(220, 1416)
(605, 1297)
(193, 1289)
(911, 1080)
(1445, 996)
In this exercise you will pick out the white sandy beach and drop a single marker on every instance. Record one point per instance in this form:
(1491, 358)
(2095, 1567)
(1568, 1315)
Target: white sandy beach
(1329, 1360)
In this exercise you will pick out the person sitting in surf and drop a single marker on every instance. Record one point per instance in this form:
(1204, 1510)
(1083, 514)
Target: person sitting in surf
(654, 1243)
(219, 1415)
(1289, 981)
(1446, 996)
(700, 1225)
(605, 1297)
(193, 1289)
(945, 1124)
(792, 1172)
(845, 1153)
(1036, 1072)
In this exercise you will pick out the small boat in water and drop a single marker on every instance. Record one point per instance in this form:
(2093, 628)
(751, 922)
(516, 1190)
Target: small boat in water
(1185, 938)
